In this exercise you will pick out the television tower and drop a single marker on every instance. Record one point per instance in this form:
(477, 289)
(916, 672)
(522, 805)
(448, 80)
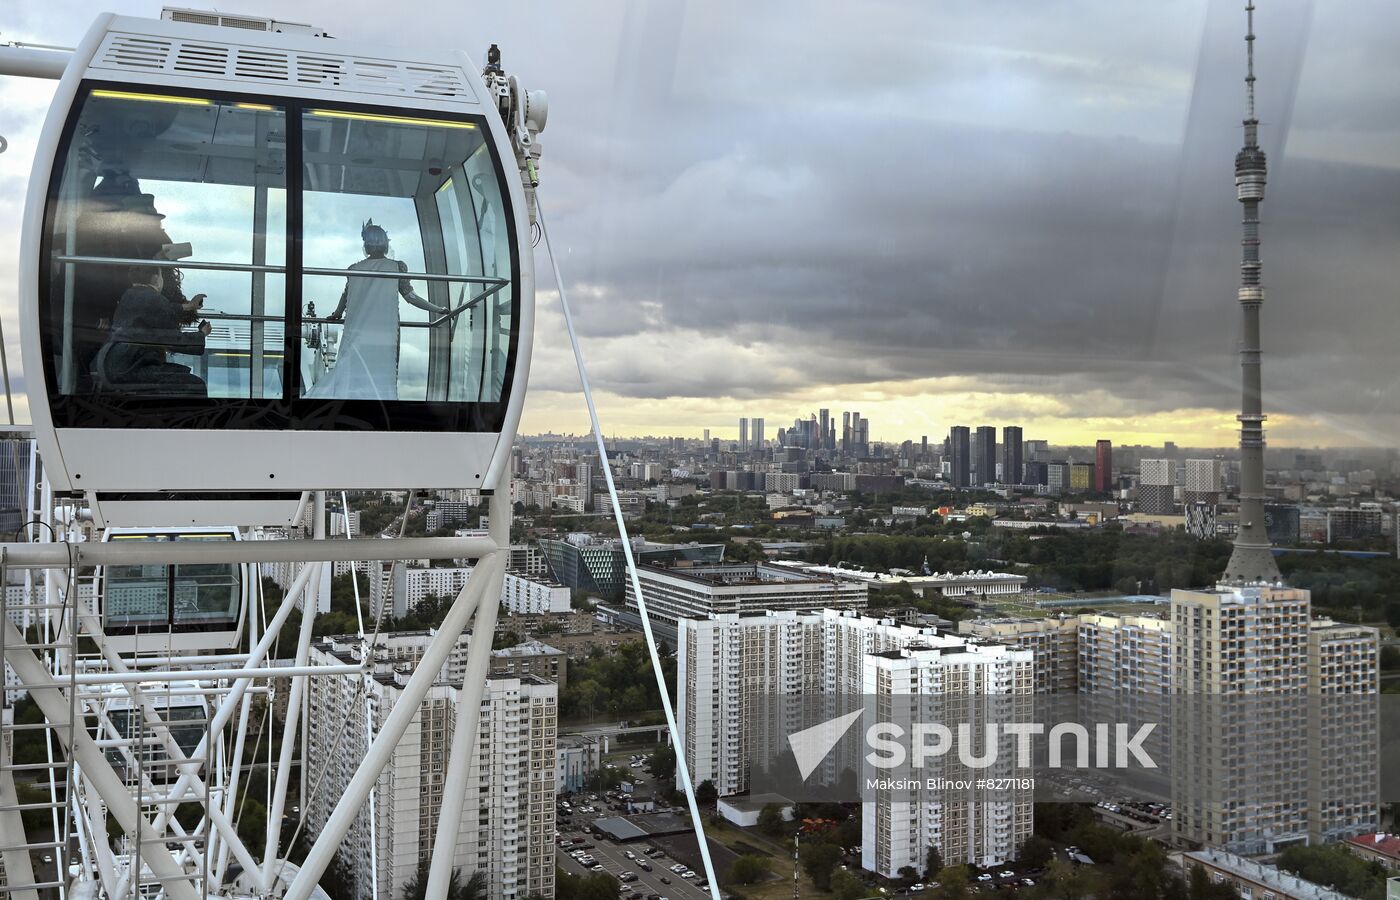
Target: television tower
(1252, 559)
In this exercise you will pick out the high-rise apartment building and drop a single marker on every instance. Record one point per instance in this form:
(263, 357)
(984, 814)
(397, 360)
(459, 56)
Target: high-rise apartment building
(824, 422)
(984, 456)
(759, 440)
(1157, 486)
(1249, 650)
(585, 471)
(1103, 466)
(898, 827)
(743, 434)
(1344, 756)
(1081, 476)
(1124, 654)
(1052, 640)
(845, 433)
(1011, 458)
(960, 451)
(1202, 481)
(507, 828)
(727, 659)
(699, 591)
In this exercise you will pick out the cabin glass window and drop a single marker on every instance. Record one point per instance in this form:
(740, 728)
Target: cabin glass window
(177, 598)
(406, 259)
(160, 199)
(356, 266)
(205, 592)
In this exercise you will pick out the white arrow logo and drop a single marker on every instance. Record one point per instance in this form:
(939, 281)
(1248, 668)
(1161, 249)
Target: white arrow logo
(811, 745)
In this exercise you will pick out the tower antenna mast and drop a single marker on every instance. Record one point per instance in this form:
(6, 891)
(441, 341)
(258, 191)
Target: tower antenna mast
(1252, 559)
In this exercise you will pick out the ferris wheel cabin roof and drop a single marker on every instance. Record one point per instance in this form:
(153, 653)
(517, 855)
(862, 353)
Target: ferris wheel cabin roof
(288, 59)
(310, 140)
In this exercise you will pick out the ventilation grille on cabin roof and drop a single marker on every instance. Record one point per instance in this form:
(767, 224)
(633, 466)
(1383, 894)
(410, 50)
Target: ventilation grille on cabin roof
(211, 18)
(209, 59)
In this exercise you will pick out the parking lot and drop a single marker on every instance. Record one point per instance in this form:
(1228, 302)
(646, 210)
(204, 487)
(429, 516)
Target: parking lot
(613, 858)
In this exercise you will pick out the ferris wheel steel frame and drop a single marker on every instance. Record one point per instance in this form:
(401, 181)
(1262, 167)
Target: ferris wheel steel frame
(68, 685)
(98, 781)
(99, 790)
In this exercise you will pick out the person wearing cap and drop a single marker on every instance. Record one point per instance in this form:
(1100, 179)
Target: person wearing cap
(367, 364)
(118, 221)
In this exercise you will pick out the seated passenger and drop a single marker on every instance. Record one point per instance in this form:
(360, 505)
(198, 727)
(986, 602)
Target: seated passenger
(367, 365)
(146, 327)
(117, 220)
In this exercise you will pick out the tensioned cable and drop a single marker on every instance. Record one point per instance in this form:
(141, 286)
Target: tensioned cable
(682, 768)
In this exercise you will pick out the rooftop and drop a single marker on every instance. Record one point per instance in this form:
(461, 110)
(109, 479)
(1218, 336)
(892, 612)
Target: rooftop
(529, 648)
(1377, 842)
(1268, 877)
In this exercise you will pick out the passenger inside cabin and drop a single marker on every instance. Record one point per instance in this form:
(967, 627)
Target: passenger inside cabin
(367, 365)
(145, 328)
(120, 221)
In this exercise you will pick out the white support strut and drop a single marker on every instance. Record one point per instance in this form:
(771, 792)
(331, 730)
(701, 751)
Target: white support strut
(357, 791)
(492, 572)
(96, 768)
(53, 555)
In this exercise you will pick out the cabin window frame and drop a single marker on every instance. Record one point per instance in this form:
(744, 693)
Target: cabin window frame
(291, 411)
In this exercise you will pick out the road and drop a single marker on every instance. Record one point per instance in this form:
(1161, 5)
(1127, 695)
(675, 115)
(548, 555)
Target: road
(614, 862)
(613, 729)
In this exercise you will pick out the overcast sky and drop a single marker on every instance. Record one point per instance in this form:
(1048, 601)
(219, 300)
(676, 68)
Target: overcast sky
(980, 212)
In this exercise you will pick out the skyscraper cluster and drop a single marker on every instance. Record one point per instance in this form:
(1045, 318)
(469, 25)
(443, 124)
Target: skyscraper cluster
(815, 432)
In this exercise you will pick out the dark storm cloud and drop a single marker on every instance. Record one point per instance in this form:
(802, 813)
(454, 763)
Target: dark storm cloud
(1035, 194)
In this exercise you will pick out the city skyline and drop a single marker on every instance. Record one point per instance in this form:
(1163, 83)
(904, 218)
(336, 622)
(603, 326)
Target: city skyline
(977, 427)
(1098, 304)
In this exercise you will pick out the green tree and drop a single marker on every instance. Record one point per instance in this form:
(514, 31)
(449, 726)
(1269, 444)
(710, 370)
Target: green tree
(770, 819)
(474, 888)
(908, 874)
(1334, 865)
(1036, 852)
(846, 885)
(749, 869)
(955, 881)
(662, 763)
(933, 862)
(706, 794)
(568, 886)
(1063, 881)
(818, 861)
